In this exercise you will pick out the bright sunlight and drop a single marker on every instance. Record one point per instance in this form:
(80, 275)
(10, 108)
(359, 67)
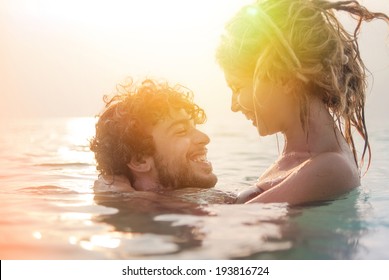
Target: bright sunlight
(71, 52)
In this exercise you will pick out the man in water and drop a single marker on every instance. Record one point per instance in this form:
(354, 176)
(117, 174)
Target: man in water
(146, 140)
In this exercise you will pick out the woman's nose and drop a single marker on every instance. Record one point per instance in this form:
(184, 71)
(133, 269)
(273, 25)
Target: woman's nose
(234, 104)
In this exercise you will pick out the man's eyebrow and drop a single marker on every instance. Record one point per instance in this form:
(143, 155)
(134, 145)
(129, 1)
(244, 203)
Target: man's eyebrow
(178, 122)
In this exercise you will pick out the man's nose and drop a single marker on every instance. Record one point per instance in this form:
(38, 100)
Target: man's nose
(201, 137)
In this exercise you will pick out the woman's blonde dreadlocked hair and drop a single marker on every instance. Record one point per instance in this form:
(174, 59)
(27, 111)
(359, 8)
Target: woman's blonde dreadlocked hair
(303, 41)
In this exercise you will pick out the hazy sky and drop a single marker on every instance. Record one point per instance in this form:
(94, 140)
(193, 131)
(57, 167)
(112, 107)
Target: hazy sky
(58, 57)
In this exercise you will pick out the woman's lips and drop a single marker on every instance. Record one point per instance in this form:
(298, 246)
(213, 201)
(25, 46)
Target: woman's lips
(251, 117)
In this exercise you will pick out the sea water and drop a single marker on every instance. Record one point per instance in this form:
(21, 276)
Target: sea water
(50, 211)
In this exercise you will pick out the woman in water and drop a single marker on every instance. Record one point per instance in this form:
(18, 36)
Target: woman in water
(294, 69)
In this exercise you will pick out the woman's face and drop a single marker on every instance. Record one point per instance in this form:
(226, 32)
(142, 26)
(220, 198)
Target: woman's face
(269, 106)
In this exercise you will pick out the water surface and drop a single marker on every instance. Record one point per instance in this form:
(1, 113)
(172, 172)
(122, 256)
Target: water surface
(50, 211)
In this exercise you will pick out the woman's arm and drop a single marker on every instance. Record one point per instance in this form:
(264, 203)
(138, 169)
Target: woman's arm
(114, 183)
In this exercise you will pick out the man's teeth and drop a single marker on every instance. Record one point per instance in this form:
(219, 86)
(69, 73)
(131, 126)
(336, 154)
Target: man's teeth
(200, 158)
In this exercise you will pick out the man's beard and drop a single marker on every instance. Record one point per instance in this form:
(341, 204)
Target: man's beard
(180, 178)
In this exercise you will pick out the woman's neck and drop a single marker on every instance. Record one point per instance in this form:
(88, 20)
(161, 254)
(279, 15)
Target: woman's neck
(319, 134)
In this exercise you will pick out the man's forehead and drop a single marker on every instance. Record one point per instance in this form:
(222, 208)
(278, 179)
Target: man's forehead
(175, 116)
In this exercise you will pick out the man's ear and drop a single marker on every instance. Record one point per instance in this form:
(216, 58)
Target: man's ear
(141, 164)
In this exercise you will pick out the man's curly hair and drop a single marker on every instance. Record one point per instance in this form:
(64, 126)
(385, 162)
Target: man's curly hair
(121, 132)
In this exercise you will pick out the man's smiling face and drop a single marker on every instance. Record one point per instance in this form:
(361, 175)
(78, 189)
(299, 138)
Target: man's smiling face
(181, 155)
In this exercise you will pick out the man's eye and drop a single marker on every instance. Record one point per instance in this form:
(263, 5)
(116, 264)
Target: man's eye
(181, 131)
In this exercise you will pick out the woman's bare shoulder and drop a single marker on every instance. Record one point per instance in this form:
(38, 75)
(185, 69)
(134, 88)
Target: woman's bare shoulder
(322, 177)
(333, 167)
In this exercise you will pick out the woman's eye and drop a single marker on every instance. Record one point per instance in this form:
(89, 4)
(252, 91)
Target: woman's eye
(235, 90)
